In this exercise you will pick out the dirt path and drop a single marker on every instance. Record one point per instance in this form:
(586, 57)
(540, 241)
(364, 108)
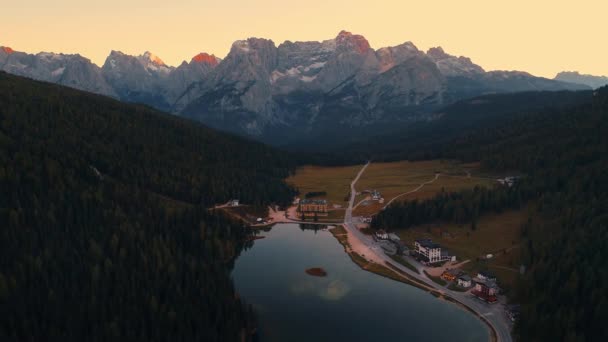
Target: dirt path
(412, 191)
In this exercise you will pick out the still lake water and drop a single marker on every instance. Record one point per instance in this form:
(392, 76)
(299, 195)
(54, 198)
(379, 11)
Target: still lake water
(350, 304)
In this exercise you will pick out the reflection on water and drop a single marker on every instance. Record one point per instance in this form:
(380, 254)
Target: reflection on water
(335, 290)
(348, 305)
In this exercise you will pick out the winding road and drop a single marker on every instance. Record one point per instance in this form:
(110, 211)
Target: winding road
(493, 314)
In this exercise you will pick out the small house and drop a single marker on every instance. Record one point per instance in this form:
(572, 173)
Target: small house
(393, 237)
(381, 235)
(486, 291)
(233, 203)
(451, 274)
(486, 276)
(465, 281)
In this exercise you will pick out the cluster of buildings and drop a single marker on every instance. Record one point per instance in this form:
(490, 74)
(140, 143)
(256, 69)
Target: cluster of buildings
(484, 283)
(486, 288)
(391, 243)
(461, 278)
(430, 253)
(312, 208)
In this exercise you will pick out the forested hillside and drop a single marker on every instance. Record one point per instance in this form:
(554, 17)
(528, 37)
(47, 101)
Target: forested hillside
(563, 154)
(427, 140)
(104, 229)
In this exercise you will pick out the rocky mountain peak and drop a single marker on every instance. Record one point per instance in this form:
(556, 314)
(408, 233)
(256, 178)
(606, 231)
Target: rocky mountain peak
(7, 50)
(352, 42)
(451, 65)
(206, 58)
(389, 57)
(251, 44)
(437, 53)
(153, 59)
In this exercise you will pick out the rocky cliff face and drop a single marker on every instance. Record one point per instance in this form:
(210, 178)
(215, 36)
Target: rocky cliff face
(188, 74)
(70, 70)
(138, 78)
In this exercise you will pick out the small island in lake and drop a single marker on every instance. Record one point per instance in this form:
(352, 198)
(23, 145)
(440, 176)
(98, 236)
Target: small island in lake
(317, 272)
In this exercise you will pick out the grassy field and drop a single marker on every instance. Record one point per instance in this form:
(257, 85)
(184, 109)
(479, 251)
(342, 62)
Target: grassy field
(391, 179)
(397, 178)
(497, 234)
(333, 180)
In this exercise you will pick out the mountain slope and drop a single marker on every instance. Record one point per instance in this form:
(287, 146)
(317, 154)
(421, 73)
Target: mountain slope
(104, 227)
(427, 139)
(588, 80)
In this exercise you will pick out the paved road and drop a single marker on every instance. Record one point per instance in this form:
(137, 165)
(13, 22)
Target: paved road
(494, 313)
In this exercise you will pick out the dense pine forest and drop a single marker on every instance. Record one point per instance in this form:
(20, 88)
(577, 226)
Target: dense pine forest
(104, 228)
(562, 154)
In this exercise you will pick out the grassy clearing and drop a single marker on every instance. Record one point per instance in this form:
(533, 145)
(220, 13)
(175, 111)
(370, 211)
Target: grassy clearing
(437, 280)
(404, 263)
(397, 178)
(333, 180)
(494, 233)
(497, 234)
(335, 215)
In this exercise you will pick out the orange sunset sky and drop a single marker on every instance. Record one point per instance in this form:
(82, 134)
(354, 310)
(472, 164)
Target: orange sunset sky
(539, 36)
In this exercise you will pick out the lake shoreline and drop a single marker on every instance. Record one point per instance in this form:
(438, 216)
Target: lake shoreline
(342, 236)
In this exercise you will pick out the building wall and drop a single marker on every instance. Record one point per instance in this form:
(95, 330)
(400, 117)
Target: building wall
(312, 210)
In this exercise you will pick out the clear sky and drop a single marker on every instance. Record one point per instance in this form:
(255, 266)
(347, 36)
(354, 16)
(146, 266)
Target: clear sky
(539, 36)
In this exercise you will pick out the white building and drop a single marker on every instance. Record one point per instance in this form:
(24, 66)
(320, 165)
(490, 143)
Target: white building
(464, 281)
(431, 252)
(486, 276)
(381, 235)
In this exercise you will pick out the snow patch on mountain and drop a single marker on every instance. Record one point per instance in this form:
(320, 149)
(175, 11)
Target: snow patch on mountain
(58, 71)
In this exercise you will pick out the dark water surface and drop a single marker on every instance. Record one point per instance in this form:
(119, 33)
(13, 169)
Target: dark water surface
(350, 304)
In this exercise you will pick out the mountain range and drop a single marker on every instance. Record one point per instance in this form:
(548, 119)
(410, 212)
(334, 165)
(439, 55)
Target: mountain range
(296, 92)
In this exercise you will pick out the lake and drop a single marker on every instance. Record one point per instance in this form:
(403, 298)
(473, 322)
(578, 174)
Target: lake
(350, 304)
